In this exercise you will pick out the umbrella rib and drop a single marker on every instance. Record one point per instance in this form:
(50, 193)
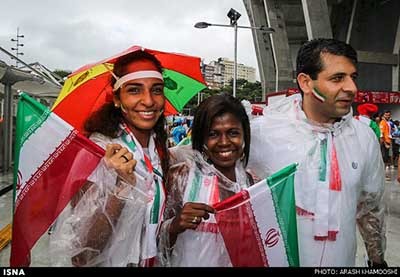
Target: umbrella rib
(109, 70)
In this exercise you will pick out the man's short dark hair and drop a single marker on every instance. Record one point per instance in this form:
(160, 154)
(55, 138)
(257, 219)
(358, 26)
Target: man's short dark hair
(309, 55)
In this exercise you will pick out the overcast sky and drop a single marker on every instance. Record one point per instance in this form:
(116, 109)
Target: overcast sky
(70, 33)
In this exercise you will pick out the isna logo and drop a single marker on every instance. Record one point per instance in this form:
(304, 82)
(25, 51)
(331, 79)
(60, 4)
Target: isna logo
(13, 272)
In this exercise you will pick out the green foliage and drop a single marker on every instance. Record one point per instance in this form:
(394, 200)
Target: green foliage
(249, 91)
(190, 107)
(62, 73)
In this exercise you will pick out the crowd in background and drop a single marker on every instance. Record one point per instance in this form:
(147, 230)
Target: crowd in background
(390, 140)
(179, 129)
(387, 131)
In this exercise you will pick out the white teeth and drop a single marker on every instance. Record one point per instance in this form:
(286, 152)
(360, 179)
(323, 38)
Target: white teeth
(147, 113)
(225, 154)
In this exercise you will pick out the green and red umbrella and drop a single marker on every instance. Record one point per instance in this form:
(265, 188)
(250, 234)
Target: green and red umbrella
(86, 89)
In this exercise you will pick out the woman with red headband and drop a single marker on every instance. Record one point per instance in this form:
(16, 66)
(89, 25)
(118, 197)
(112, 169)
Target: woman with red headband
(114, 219)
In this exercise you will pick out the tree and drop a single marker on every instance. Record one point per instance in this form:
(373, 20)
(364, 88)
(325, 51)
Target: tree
(205, 93)
(62, 73)
(245, 90)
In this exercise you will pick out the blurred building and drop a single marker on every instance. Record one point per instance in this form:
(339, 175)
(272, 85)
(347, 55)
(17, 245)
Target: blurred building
(218, 74)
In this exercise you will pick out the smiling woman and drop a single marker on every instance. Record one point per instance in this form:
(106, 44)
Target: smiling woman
(113, 220)
(213, 171)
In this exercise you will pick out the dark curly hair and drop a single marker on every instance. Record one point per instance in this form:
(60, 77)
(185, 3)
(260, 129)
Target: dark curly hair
(106, 119)
(214, 106)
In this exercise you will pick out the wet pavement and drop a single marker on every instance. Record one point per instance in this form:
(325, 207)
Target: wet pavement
(392, 199)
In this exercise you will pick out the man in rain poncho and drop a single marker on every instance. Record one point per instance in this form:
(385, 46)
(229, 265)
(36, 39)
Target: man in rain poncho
(338, 184)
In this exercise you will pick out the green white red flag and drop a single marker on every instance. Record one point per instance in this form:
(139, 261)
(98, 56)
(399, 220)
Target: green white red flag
(52, 161)
(258, 224)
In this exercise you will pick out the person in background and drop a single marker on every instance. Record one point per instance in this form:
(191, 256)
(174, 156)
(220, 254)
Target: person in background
(377, 117)
(395, 142)
(397, 139)
(365, 113)
(338, 184)
(178, 132)
(212, 170)
(113, 220)
(386, 139)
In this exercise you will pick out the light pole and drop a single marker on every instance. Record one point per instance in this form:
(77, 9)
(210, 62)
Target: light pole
(234, 16)
(17, 45)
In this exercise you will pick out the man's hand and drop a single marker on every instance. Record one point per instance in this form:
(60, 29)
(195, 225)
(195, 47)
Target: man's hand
(372, 264)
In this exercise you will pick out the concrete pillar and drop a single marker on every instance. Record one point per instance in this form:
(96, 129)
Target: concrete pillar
(316, 16)
(257, 17)
(396, 51)
(282, 49)
(272, 50)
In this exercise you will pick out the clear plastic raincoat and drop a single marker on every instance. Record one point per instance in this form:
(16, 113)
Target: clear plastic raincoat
(339, 180)
(111, 221)
(194, 180)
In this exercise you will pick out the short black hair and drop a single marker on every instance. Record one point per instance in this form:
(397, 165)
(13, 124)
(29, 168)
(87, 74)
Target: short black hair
(309, 55)
(214, 106)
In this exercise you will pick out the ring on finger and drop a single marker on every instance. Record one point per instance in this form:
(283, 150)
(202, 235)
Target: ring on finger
(195, 219)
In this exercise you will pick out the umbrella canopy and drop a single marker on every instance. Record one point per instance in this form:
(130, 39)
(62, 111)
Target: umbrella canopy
(86, 89)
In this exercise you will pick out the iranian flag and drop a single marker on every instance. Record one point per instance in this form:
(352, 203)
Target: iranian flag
(52, 161)
(258, 224)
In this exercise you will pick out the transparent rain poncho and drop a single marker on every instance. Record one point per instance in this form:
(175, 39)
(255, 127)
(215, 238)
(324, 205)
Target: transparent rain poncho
(195, 180)
(104, 224)
(339, 181)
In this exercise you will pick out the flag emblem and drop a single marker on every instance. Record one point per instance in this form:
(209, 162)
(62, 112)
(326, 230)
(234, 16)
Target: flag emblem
(272, 237)
(258, 224)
